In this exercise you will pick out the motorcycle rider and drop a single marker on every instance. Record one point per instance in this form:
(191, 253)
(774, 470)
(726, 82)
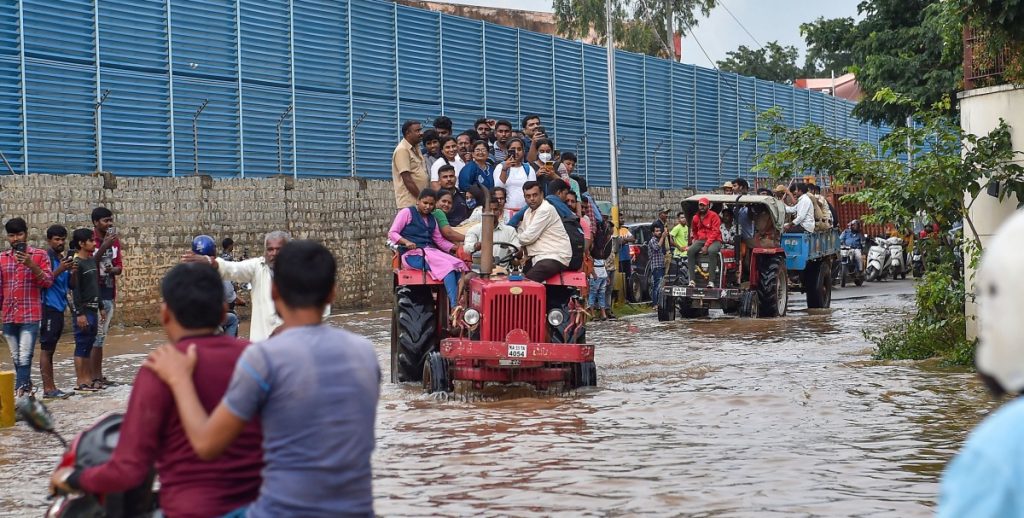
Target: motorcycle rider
(985, 478)
(854, 238)
(152, 434)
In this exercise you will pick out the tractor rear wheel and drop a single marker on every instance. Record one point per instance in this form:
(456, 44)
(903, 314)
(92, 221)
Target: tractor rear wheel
(435, 374)
(772, 287)
(416, 324)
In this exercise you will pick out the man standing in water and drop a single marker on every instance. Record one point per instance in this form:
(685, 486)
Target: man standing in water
(108, 258)
(314, 389)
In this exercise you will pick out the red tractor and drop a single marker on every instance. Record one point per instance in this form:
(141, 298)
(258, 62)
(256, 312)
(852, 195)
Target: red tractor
(512, 330)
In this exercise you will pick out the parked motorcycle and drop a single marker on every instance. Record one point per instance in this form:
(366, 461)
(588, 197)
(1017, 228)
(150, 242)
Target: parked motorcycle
(878, 260)
(917, 261)
(92, 447)
(849, 269)
(897, 260)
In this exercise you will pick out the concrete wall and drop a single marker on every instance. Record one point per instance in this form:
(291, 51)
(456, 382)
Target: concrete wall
(980, 111)
(157, 218)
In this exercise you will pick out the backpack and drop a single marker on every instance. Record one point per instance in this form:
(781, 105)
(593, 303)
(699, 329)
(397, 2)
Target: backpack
(601, 248)
(576, 241)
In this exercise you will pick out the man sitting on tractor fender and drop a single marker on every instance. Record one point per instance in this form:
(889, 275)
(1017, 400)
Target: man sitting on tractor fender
(542, 234)
(707, 239)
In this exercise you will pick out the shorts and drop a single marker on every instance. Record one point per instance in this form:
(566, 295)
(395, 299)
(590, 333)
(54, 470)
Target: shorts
(51, 329)
(85, 337)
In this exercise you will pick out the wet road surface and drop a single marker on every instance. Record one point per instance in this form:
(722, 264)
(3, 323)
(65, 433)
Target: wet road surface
(710, 417)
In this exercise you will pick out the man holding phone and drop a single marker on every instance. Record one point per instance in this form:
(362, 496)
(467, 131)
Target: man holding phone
(24, 274)
(108, 258)
(55, 302)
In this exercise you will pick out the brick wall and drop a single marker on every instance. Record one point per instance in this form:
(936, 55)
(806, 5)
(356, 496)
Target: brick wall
(157, 218)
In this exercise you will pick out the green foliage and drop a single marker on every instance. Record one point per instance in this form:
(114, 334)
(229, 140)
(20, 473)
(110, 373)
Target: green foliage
(638, 25)
(909, 46)
(1000, 24)
(829, 46)
(771, 62)
(1003, 17)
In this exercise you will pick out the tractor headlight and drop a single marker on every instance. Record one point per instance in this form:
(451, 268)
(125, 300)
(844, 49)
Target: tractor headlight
(556, 317)
(471, 316)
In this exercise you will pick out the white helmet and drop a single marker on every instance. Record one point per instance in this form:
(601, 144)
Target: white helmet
(1000, 299)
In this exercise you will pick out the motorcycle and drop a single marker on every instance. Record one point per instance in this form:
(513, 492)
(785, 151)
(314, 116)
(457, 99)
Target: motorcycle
(917, 261)
(878, 260)
(92, 447)
(897, 261)
(849, 268)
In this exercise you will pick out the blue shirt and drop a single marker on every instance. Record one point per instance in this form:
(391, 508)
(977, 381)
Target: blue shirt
(56, 296)
(560, 207)
(851, 239)
(987, 477)
(471, 174)
(315, 391)
(745, 217)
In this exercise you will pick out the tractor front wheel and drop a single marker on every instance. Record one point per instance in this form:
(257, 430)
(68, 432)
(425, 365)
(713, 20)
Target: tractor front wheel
(436, 377)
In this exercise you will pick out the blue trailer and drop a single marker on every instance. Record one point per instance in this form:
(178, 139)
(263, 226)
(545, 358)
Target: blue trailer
(809, 260)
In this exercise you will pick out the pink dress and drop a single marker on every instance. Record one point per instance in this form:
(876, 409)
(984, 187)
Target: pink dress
(440, 262)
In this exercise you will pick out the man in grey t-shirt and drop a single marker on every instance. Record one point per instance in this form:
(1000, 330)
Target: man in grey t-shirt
(314, 388)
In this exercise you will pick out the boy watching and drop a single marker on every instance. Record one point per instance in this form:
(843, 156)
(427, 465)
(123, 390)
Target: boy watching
(55, 301)
(108, 255)
(152, 434)
(85, 307)
(313, 387)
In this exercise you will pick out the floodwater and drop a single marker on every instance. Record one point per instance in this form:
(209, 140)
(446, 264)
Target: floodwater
(713, 417)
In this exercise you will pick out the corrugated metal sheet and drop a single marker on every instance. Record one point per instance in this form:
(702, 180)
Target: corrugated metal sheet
(338, 59)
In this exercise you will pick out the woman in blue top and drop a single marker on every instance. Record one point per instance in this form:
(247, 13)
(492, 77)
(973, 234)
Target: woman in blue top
(478, 171)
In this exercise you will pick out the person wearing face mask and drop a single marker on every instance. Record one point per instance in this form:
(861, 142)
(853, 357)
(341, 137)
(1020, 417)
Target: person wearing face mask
(478, 171)
(449, 157)
(987, 477)
(706, 231)
(513, 173)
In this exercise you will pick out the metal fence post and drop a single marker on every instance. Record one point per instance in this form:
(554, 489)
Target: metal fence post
(195, 137)
(280, 157)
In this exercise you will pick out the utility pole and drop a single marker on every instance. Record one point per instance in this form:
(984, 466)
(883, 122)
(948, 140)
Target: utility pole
(195, 137)
(612, 140)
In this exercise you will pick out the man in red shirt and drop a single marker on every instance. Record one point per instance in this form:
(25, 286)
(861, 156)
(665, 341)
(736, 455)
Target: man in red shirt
(108, 258)
(24, 274)
(706, 238)
(152, 432)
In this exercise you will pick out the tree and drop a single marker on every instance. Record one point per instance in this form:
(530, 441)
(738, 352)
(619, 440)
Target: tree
(772, 62)
(913, 47)
(829, 46)
(1000, 26)
(645, 26)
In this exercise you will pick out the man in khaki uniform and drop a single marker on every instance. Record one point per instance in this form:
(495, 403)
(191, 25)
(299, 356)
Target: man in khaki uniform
(408, 170)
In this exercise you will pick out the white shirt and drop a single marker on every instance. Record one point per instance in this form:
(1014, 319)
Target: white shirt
(257, 272)
(804, 211)
(543, 234)
(517, 176)
(502, 234)
(435, 168)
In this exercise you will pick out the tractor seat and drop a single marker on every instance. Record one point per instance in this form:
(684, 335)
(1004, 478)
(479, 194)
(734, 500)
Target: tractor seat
(412, 276)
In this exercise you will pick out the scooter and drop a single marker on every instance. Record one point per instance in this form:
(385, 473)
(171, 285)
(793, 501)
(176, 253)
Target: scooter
(878, 260)
(897, 261)
(849, 268)
(917, 261)
(92, 447)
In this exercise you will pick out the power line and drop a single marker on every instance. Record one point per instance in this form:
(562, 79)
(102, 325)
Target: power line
(691, 33)
(740, 23)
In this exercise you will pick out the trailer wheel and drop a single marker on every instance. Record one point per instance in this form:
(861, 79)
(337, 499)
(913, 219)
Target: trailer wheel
(583, 374)
(416, 323)
(748, 304)
(772, 288)
(818, 284)
(435, 374)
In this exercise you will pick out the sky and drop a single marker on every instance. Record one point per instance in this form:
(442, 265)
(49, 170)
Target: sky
(767, 20)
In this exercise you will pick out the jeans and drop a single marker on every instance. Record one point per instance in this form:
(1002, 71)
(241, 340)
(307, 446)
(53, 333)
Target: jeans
(691, 259)
(597, 299)
(656, 275)
(104, 325)
(85, 338)
(451, 281)
(230, 325)
(21, 338)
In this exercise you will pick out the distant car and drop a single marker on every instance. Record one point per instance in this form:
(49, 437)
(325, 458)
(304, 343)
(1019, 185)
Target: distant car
(640, 279)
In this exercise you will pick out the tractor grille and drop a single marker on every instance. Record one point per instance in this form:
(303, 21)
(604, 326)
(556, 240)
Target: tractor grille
(522, 311)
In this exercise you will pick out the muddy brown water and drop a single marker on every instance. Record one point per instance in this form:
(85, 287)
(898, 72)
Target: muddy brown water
(713, 417)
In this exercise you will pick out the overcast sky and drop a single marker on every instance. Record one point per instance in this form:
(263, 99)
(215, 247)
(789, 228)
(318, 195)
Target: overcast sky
(767, 20)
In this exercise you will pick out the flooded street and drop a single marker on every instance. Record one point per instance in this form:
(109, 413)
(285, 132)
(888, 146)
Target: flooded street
(713, 417)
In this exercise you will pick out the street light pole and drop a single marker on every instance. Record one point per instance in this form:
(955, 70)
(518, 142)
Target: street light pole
(612, 140)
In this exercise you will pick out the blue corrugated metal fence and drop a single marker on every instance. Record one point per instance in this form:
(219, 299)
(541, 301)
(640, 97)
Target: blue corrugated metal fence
(304, 87)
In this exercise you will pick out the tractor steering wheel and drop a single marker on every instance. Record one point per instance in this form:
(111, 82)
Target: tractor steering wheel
(507, 261)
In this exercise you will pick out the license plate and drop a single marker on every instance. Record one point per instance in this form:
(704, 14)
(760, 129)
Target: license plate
(516, 350)
(704, 265)
(510, 363)
(678, 291)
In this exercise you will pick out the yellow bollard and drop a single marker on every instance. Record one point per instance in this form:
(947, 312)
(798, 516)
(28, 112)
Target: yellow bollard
(6, 399)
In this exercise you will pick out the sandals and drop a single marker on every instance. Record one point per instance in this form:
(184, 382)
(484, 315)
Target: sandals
(91, 387)
(56, 394)
(104, 383)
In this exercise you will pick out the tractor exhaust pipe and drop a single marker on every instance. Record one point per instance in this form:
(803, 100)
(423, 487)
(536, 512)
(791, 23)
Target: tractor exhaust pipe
(487, 237)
